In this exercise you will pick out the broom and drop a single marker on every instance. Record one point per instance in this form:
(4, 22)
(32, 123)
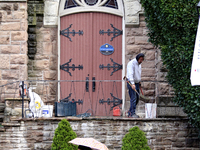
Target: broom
(140, 95)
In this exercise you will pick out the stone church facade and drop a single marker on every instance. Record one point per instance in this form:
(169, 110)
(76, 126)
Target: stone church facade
(30, 46)
(30, 51)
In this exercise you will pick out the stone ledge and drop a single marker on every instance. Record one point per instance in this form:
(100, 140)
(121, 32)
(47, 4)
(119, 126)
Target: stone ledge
(2, 129)
(135, 119)
(11, 124)
(13, 0)
(100, 118)
(43, 119)
(16, 99)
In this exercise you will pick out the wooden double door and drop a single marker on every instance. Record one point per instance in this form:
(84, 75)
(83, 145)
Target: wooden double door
(90, 45)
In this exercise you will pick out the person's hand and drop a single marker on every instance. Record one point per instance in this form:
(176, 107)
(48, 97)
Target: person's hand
(133, 86)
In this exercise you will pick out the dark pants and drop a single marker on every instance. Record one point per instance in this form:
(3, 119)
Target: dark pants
(134, 98)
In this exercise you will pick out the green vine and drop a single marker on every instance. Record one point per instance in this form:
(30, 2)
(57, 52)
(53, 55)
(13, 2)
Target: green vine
(172, 27)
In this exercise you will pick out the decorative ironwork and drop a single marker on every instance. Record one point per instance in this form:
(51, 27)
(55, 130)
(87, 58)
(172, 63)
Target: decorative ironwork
(66, 99)
(80, 101)
(66, 67)
(115, 67)
(93, 84)
(116, 101)
(87, 84)
(67, 33)
(116, 32)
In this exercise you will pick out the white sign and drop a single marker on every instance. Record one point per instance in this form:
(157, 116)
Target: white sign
(195, 69)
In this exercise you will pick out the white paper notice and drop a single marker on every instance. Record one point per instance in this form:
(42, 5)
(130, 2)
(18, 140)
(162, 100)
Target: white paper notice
(195, 69)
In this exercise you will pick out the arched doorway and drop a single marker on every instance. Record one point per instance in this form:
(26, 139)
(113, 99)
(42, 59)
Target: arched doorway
(91, 54)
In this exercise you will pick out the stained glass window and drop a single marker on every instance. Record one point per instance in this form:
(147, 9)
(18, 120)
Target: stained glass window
(111, 4)
(70, 4)
(91, 2)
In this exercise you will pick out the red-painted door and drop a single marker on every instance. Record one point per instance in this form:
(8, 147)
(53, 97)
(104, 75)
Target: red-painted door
(80, 47)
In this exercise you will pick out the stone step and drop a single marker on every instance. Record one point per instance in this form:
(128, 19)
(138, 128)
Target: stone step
(170, 112)
(2, 107)
(2, 104)
(2, 129)
(167, 108)
(1, 115)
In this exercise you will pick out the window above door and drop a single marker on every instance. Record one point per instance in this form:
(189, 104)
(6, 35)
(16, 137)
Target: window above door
(76, 6)
(103, 3)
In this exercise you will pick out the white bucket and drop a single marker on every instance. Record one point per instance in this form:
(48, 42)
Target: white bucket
(47, 111)
(150, 110)
(37, 113)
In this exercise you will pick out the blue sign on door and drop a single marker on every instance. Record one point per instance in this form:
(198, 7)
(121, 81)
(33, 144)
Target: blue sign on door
(106, 49)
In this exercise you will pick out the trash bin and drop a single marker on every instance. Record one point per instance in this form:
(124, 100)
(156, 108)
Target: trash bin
(65, 109)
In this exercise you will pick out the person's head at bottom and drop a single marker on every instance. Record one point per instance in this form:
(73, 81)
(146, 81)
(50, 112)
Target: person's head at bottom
(80, 147)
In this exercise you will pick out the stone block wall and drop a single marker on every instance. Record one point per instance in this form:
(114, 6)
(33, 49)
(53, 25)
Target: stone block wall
(153, 72)
(154, 83)
(13, 42)
(13, 108)
(162, 134)
(42, 51)
(137, 42)
(42, 64)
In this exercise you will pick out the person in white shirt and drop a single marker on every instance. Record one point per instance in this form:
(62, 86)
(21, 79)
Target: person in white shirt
(134, 77)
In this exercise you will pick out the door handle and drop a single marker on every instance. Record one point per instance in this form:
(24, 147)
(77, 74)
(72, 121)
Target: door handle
(93, 84)
(87, 84)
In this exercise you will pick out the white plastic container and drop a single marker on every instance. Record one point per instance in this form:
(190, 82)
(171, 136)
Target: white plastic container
(47, 111)
(37, 113)
(150, 110)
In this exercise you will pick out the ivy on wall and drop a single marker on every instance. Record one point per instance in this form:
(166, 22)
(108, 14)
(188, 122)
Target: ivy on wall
(172, 27)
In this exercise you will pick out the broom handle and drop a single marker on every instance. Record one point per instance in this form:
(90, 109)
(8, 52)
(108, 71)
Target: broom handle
(125, 78)
(141, 90)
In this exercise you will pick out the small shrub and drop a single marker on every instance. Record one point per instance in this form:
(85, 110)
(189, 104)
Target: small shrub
(63, 134)
(135, 140)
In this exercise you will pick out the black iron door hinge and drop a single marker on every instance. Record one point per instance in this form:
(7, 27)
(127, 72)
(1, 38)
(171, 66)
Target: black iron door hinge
(66, 67)
(115, 66)
(116, 101)
(66, 99)
(67, 33)
(116, 32)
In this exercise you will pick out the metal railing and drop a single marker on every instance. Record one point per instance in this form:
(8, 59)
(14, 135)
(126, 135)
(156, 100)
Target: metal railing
(102, 100)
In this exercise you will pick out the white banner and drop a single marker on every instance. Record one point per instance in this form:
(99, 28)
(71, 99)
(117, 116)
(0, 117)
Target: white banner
(195, 69)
